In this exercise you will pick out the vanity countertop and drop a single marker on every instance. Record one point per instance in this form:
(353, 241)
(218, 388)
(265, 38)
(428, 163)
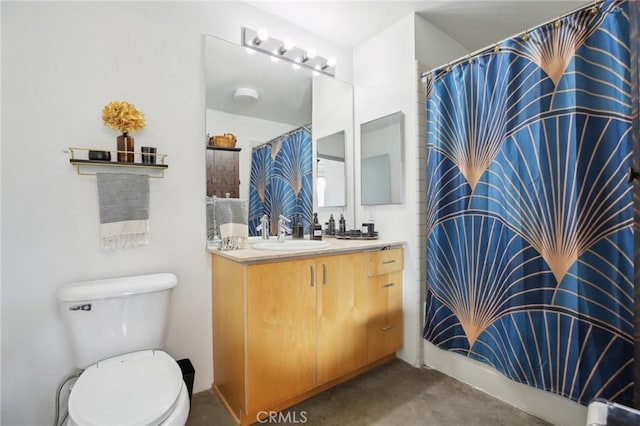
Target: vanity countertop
(250, 255)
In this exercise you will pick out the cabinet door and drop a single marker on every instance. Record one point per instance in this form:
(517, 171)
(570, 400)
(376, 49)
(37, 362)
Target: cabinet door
(385, 315)
(281, 332)
(342, 315)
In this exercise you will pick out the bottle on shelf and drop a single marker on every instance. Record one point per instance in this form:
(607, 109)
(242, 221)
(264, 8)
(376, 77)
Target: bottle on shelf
(342, 224)
(316, 228)
(332, 225)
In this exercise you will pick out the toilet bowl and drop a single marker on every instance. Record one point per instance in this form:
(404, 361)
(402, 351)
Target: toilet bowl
(117, 328)
(140, 388)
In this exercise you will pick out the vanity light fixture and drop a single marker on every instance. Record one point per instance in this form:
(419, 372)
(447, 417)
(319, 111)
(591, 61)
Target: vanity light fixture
(331, 62)
(286, 46)
(261, 35)
(309, 54)
(260, 41)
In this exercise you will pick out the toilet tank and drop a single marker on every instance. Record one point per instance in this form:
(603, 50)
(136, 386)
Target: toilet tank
(110, 317)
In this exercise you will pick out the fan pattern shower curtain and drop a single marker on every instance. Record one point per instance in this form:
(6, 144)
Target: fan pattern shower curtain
(530, 241)
(282, 180)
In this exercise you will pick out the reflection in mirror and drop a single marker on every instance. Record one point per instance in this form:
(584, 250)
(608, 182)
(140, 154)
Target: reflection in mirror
(381, 160)
(259, 101)
(287, 99)
(331, 183)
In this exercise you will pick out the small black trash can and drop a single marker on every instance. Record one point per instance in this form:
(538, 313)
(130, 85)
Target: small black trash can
(188, 374)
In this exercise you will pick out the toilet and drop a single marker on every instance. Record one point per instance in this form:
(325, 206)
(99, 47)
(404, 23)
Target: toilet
(117, 329)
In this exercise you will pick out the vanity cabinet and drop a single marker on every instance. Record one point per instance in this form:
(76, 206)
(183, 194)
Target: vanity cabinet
(285, 330)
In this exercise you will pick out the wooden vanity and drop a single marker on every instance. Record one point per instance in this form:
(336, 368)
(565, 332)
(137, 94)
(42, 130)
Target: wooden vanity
(289, 325)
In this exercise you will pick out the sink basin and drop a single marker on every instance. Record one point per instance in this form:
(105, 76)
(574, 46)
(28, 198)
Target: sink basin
(291, 245)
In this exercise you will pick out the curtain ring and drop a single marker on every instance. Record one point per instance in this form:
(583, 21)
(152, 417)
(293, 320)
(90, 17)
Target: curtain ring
(525, 36)
(558, 23)
(496, 49)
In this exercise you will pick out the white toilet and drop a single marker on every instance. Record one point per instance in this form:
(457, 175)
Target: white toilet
(117, 327)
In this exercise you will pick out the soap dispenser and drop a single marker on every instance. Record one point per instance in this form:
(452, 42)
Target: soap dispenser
(297, 232)
(316, 228)
(332, 225)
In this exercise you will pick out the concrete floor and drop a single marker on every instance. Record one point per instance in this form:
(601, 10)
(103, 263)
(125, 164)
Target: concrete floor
(393, 394)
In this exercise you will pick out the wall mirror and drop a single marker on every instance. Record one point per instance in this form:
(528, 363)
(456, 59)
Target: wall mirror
(331, 178)
(382, 160)
(281, 98)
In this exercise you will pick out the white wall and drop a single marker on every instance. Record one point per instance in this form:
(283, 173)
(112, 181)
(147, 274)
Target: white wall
(249, 132)
(62, 62)
(384, 83)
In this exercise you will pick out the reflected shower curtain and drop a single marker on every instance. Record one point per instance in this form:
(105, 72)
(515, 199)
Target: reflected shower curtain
(282, 180)
(530, 241)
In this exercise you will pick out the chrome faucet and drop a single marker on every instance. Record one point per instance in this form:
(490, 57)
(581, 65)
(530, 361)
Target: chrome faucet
(283, 229)
(263, 228)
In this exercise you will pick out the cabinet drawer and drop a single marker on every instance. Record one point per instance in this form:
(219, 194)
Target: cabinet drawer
(385, 261)
(384, 294)
(384, 335)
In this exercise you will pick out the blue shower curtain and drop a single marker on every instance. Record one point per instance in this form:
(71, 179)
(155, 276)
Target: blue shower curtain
(530, 242)
(282, 180)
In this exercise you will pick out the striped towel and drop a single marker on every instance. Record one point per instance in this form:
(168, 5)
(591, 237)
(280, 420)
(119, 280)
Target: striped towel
(124, 210)
(231, 217)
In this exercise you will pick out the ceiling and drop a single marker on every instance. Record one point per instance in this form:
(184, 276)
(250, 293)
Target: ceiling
(474, 24)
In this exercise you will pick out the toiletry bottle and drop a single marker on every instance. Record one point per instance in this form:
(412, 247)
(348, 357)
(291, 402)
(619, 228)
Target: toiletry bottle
(332, 225)
(316, 228)
(297, 228)
(343, 224)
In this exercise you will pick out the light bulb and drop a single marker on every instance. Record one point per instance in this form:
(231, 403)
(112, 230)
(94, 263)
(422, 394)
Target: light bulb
(249, 50)
(311, 53)
(331, 61)
(295, 66)
(263, 34)
(274, 59)
(288, 44)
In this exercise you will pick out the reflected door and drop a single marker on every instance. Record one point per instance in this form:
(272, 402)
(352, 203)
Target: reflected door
(223, 174)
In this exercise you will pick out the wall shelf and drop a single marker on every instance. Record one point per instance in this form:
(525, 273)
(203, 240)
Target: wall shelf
(79, 159)
(221, 148)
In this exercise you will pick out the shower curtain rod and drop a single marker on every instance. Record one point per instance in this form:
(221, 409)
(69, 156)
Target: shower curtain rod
(284, 135)
(478, 52)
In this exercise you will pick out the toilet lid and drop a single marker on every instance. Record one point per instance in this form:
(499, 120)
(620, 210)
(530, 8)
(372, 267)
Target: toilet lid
(140, 388)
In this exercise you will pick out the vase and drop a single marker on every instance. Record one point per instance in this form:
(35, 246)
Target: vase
(125, 148)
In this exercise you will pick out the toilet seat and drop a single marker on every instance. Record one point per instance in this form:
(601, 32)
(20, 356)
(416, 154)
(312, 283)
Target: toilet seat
(139, 388)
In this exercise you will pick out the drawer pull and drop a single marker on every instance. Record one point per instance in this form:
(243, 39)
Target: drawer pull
(388, 285)
(387, 327)
(386, 262)
(324, 273)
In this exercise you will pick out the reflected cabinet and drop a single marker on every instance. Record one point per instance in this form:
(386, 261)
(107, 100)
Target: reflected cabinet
(223, 172)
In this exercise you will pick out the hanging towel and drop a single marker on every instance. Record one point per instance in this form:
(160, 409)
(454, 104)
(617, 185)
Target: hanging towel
(231, 217)
(124, 210)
